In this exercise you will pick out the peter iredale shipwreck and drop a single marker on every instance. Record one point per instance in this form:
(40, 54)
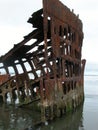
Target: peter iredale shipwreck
(46, 67)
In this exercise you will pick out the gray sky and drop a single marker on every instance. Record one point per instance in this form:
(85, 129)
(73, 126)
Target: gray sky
(15, 13)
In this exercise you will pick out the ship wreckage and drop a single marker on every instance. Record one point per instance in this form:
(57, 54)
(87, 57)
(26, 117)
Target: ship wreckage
(46, 67)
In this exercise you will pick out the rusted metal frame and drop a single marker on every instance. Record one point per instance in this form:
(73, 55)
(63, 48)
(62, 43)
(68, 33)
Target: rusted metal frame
(71, 59)
(45, 39)
(69, 68)
(37, 64)
(15, 68)
(35, 14)
(53, 53)
(72, 51)
(50, 67)
(63, 67)
(42, 90)
(80, 46)
(46, 84)
(24, 69)
(33, 70)
(77, 49)
(56, 37)
(61, 25)
(83, 62)
(16, 48)
(36, 43)
(45, 23)
(8, 82)
(52, 41)
(22, 65)
(51, 6)
(17, 83)
(37, 19)
(3, 79)
(77, 69)
(5, 68)
(10, 73)
(37, 53)
(20, 79)
(41, 54)
(69, 79)
(41, 62)
(49, 87)
(35, 61)
(60, 34)
(72, 72)
(41, 47)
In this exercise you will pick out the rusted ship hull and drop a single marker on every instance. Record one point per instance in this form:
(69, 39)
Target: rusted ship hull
(46, 67)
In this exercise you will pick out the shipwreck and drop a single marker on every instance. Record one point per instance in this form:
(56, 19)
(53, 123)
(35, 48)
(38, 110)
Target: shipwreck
(46, 67)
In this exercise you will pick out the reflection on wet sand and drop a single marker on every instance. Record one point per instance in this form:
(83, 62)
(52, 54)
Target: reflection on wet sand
(72, 121)
(13, 118)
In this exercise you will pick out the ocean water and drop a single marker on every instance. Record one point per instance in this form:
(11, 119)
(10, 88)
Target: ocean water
(90, 110)
(84, 118)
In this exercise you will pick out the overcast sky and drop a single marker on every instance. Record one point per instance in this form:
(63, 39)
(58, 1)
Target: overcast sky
(15, 13)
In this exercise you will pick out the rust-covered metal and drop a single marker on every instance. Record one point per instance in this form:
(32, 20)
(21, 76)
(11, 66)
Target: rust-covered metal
(46, 66)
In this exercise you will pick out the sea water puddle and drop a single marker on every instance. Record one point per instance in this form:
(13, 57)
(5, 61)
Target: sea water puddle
(13, 118)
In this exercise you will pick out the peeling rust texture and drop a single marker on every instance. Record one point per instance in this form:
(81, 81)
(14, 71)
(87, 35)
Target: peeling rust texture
(47, 62)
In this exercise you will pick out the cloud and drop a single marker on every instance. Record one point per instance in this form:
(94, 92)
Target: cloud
(10, 35)
(16, 12)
